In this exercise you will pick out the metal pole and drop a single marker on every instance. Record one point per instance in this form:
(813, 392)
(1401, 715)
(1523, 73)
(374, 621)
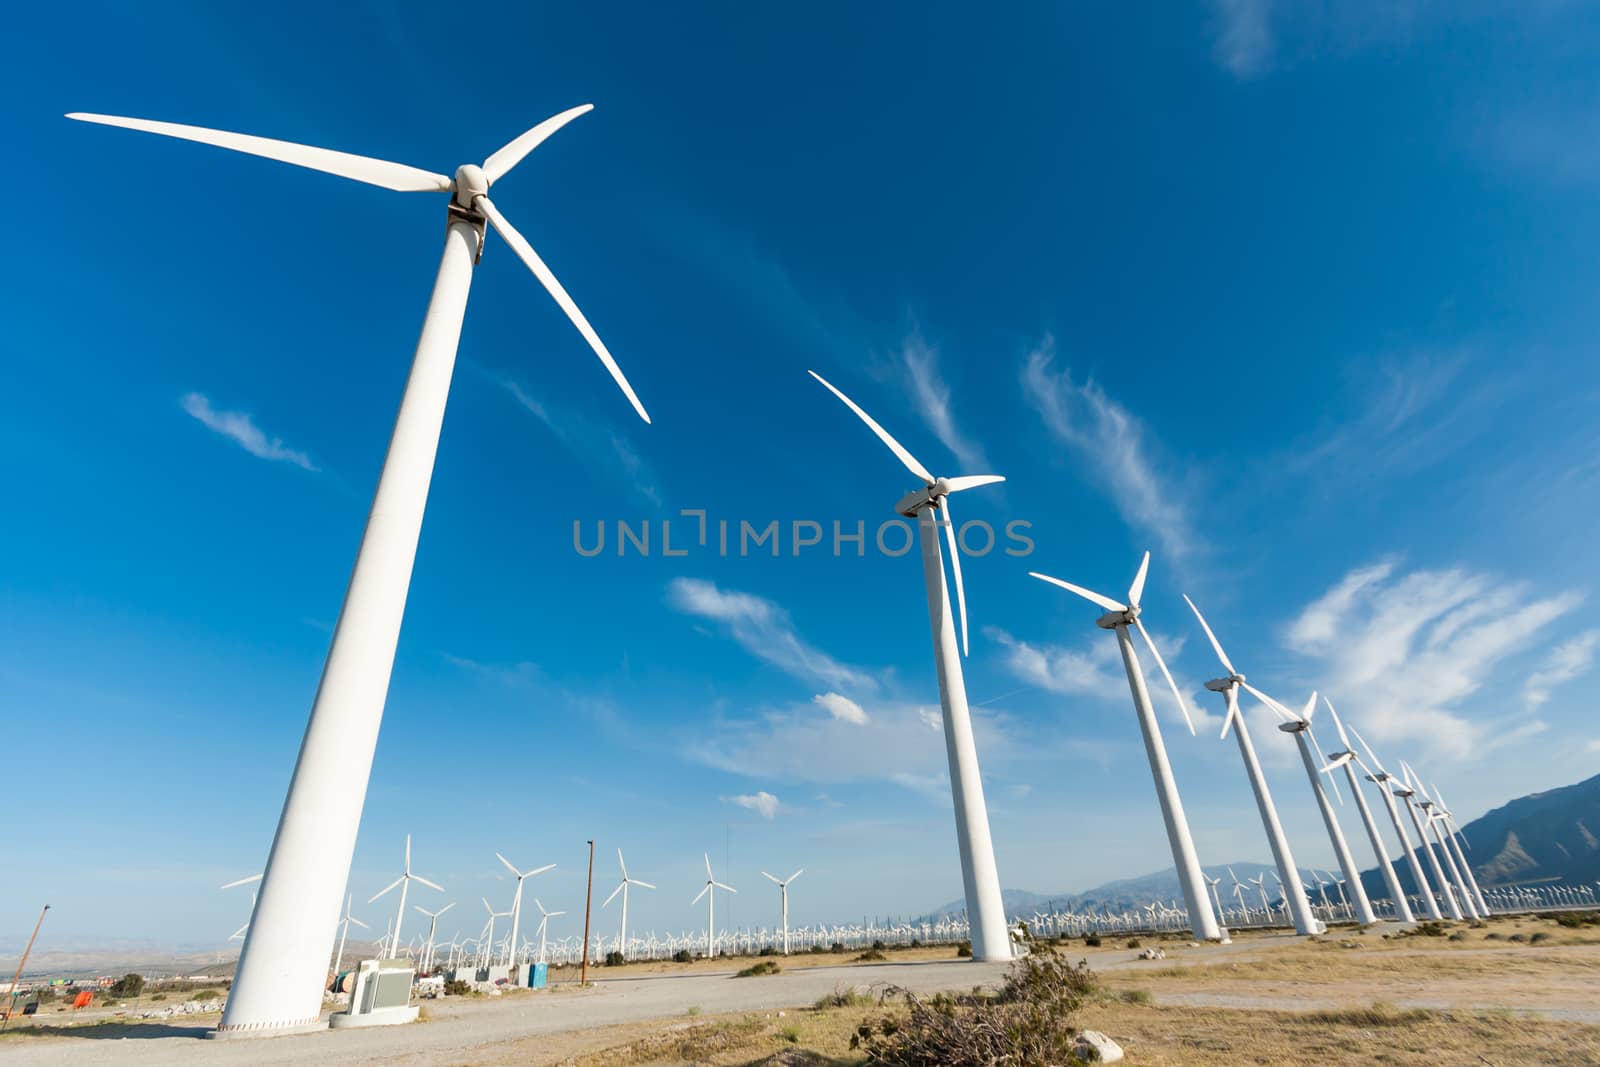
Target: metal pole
(588, 898)
(11, 994)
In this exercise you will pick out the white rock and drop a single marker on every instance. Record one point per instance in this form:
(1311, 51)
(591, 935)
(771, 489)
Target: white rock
(1095, 1047)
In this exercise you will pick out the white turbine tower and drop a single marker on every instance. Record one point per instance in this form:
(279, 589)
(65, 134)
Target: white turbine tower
(516, 900)
(1456, 838)
(1378, 776)
(1346, 758)
(622, 887)
(344, 932)
(711, 887)
(278, 987)
(404, 882)
(930, 506)
(1300, 727)
(544, 922)
(1305, 922)
(433, 925)
(1406, 792)
(783, 888)
(1118, 618)
(1432, 811)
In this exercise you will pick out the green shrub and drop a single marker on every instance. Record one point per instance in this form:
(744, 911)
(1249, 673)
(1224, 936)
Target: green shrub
(1538, 937)
(770, 950)
(683, 955)
(964, 950)
(457, 987)
(614, 959)
(790, 1034)
(872, 955)
(843, 998)
(1575, 920)
(756, 970)
(837, 948)
(878, 946)
(1093, 940)
(1134, 996)
(1133, 942)
(129, 985)
(158, 996)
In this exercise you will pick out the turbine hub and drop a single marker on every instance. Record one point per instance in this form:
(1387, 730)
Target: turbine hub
(470, 183)
(1293, 727)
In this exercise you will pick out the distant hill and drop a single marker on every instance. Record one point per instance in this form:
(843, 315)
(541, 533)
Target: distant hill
(1125, 893)
(1542, 837)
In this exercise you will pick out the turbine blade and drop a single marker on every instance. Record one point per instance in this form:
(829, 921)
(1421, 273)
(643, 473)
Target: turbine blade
(241, 881)
(430, 885)
(896, 447)
(514, 872)
(1282, 712)
(525, 252)
(446, 908)
(769, 878)
(358, 922)
(1310, 708)
(1368, 748)
(1344, 738)
(408, 853)
(972, 481)
(796, 874)
(1136, 590)
(1215, 644)
(540, 870)
(396, 176)
(707, 855)
(641, 885)
(496, 166)
(386, 889)
(1087, 594)
(1227, 720)
(729, 888)
(614, 893)
(955, 566)
(623, 865)
(703, 891)
(1183, 705)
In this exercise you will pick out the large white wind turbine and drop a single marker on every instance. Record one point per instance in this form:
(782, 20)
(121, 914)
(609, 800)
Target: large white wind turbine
(1405, 791)
(516, 901)
(783, 888)
(622, 887)
(344, 932)
(709, 891)
(404, 882)
(544, 923)
(930, 506)
(278, 987)
(1300, 727)
(433, 925)
(1118, 618)
(1346, 757)
(1434, 816)
(1456, 838)
(1378, 776)
(1294, 891)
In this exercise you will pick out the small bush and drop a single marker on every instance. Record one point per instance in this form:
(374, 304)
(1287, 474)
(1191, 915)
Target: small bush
(1093, 940)
(964, 950)
(756, 970)
(1576, 920)
(1518, 937)
(1133, 942)
(614, 959)
(872, 955)
(1493, 937)
(837, 948)
(915, 943)
(1539, 937)
(129, 985)
(1134, 996)
(790, 1034)
(1431, 928)
(1459, 935)
(457, 987)
(158, 996)
(683, 955)
(878, 946)
(770, 950)
(843, 998)
(204, 994)
(694, 1009)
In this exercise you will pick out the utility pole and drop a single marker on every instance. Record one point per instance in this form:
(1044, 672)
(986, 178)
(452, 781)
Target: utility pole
(11, 994)
(588, 898)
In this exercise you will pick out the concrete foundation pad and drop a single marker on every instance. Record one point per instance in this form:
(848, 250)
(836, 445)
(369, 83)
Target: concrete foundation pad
(343, 1020)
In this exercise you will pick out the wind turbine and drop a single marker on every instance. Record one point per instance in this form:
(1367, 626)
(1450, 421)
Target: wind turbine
(1434, 817)
(1456, 838)
(622, 887)
(516, 901)
(404, 882)
(433, 924)
(1118, 618)
(544, 921)
(979, 876)
(1305, 921)
(1238, 894)
(711, 887)
(253, 896)
(278, 986)
(783, 887)
(1346, 758)
(344, 932)
(1222, 918)
(1378, 776)
(488, 936)
(1408, 793)
(1300, 727)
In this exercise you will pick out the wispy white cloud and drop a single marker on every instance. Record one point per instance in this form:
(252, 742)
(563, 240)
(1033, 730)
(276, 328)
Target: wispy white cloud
(241, 429)
(1408, 649)
(765, 630)
(1112, 443)
(1566, 661)
(1059, 669)
(918, 365)
(841, 708)
(593, 442)
(1244, 43)
(762, 803)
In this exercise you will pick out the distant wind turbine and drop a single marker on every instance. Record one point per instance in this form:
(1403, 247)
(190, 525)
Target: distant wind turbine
(516, 901)
(710, 892)
(783, 888)
(622, 887)
(1346, 758)
(392, 950)
(1379, 777)
(344, 932)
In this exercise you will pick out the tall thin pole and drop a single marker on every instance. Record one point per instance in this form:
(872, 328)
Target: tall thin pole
(588, 898)
(11, 994)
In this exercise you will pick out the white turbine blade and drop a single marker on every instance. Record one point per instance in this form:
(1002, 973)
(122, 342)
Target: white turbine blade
(430, 885)
(703, 891)
(1368, 748)
(1333, 781)
(540, 906)
(614, 893)
(242, 881)
(1310, 708)
(709, 875)
(1215, 644)
(896, 447)
(357, 921)
(514, 872)
(386, 889)
(444, 909)
(424, 911)
(239, 932)
(1136, 590)
(408, 853)
(796, 874)
(1284, 713)
(1087, 594)
(487, 907)
(525, 252)
(1227, 720)
(396, 176)
(539, 870)
(769, 878)
(553, 914)
(1183, 705)
(623, 865)
(729, 888)
(1344, 738)
(955, 566)
(972, 481)
(641, 885)
(496, 166)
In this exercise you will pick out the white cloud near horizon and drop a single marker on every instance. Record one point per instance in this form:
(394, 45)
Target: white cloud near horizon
(1402, 652)
(765, 630)
(1111, 441)
(241, 429)
(761, 802)
(841, 707)
(1567, 661)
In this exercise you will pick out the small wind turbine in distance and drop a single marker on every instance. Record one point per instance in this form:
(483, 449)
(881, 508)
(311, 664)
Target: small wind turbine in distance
(404, 882)
(1294, 891)
(1300, 727)
(344, 932)
(433, 925)
(1457, 839)
(278, 986)
(930, 506)
(709, 890)
(544, 922)
(1407, 793)
(783, 888)
(1432, 811)
(1346, 758)
(1378, 776)
(1222, 919)
(237, 934)
(1118, 618)
(516, 901)
(622, 887)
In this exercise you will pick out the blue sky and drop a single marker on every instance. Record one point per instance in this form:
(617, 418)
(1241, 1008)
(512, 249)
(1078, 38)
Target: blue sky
(1300, 301)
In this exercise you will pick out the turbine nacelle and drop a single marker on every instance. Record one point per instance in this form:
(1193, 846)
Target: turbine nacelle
(470, 183)
(1222, 685)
